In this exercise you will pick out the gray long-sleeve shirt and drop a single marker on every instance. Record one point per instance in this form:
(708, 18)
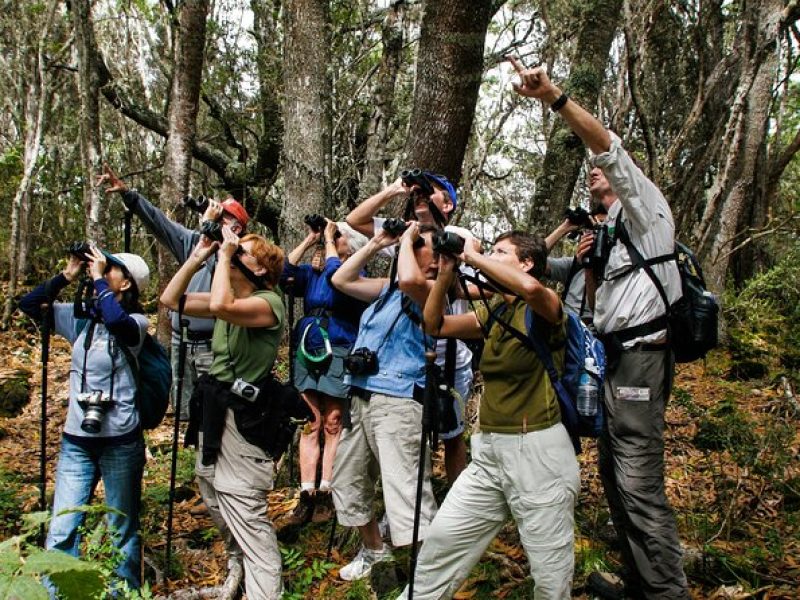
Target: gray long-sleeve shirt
(180, 241)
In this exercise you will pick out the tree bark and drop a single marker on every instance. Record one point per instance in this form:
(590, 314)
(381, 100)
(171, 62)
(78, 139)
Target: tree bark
(306, 115)
(34, 119)
(565, 152)
(733, 187)
(449, 73)
(184, 98)
(89, 92)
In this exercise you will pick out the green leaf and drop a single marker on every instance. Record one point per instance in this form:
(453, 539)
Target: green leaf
(79, 585)
(5, 582)
(25, 588)
(35, 519)
(54, 561)
(9, 562)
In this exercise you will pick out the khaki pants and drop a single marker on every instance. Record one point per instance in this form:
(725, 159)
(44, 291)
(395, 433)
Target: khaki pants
(384, 441)
(535, 478)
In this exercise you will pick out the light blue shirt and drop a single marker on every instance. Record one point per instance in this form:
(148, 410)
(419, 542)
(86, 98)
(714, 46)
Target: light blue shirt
(401, 355)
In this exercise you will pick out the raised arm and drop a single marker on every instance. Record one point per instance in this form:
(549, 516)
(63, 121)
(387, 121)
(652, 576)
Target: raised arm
(558, 233)
(534, 83)
(540, 298)
(360, 218)
(348, 278)
(438, 324)
(197, 303)
(410, 278)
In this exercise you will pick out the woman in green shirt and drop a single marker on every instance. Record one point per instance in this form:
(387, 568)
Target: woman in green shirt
(249, 322)
(523, 462)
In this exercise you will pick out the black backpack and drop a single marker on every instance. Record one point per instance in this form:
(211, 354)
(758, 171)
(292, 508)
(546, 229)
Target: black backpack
(692, 321)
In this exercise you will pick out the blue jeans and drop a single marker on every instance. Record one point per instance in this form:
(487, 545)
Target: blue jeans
(77, 475)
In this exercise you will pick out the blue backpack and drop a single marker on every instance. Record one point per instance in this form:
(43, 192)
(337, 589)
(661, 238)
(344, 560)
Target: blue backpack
(153, 375)
(580, 345)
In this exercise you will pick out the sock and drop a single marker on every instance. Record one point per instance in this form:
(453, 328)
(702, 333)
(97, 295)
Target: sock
(305, 486)
(324, 485)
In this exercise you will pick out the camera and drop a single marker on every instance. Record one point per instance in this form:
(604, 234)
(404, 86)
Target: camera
(212, 230)
(448, 242)
(245, 390)
(361, 361)
(80, 250)
(94, 406)
(394, 226)
(597, 257)
(198, 205)
(315, 222)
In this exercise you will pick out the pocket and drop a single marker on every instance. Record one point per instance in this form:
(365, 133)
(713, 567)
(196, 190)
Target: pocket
(256, 471)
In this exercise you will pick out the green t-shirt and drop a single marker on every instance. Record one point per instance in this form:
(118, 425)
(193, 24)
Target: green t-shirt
(518, 396)
(253, 348)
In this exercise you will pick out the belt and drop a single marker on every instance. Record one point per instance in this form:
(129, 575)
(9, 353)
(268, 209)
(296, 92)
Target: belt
(198, 336)
(365, 395)
(651, 347)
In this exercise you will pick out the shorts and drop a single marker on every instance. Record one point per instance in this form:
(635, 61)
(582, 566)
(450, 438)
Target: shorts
(330, 382)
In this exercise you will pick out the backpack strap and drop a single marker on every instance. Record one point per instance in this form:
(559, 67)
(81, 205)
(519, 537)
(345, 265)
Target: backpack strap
(574, 267)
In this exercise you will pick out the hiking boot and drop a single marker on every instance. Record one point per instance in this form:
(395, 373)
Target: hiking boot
(323, 506)
(199, 510)
(610, 587)
(302, 511)
(362, 564)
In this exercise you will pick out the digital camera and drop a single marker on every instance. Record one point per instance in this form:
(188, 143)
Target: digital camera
(94, 405)
(361, 361)
(448, 242)
(245, 390)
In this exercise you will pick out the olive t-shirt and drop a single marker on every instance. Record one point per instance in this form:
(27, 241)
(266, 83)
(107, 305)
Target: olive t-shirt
(518, 396)
(254, 348)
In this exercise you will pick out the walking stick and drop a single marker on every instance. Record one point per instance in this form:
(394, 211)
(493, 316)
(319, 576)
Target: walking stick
(43, 422)
(429, 435)
(290, 293)
(184, 325)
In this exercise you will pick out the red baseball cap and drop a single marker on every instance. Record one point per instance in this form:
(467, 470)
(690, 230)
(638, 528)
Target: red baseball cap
(232, 207)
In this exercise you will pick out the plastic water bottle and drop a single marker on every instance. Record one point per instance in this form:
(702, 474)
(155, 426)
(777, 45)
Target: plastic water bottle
(587, 390)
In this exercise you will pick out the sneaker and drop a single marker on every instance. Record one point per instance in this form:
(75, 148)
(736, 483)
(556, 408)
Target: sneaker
(302, 512)
(606, 585)
(323, 506)
(361, 565)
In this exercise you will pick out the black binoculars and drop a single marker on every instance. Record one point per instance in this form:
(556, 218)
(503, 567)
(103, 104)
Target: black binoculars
(315, 222)
(597, 257)
(198, 205)
(80, 250)
(416, 177)
(447, 242)
(394, 226)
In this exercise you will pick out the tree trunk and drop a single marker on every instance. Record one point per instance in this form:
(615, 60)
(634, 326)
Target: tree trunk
(35, 113)
(375, 158)
(733, 187)
(565, 152)
(184, 99)
(449, 73)
(89, 92)
(306, 115)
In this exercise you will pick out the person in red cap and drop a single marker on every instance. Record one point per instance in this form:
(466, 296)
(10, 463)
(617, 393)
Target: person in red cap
(181, 241)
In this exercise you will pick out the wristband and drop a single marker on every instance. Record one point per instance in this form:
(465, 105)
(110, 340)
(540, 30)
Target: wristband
(559, 103)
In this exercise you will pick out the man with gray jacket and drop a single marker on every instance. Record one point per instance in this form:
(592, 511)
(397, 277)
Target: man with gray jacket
(181, 241)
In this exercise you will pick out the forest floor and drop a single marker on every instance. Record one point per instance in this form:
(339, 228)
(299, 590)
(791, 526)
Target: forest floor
(733, 478)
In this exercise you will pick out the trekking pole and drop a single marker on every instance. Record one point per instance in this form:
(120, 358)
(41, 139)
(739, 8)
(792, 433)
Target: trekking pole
(43, 422)
(184, 325)
(428, 427)
(128, 218)
(290, 293)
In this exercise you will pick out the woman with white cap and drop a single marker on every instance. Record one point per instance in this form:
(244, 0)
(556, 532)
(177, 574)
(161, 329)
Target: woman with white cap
(102, 438)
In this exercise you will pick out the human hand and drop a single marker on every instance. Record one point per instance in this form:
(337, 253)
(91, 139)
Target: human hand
(204, 249)
(97, 262)
(447, 264)
(73, 269)
(213, 212)
(230, 242)
(330, 230)
(383, 239)
(411, 234)
(584, 245)
(113, 183)
(534, 82)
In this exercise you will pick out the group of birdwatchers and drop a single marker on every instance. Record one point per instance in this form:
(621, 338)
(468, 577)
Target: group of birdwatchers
(360, 367)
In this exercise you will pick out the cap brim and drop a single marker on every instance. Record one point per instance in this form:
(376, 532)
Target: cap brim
(114, 260)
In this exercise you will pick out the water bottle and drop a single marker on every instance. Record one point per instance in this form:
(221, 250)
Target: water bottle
(587, 390)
